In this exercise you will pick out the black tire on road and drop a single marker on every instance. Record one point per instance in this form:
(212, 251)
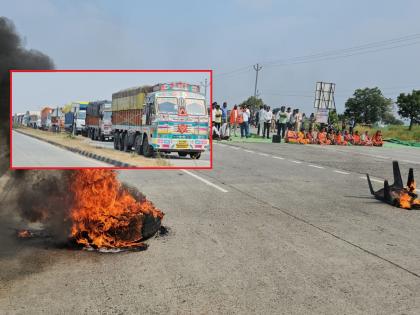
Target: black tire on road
(147, 149)
(121, 142)
(126, 146)
(116, 140)
(182, 154)
(138, 145)
(195, 155)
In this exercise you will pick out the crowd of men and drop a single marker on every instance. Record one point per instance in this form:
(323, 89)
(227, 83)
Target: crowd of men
(290, 125)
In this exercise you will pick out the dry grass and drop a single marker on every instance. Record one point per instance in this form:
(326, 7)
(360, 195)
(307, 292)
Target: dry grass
(395, 132)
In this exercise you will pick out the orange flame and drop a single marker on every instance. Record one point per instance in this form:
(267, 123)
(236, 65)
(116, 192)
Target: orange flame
(412, 186)
(24, 234)
(405, 201)
(104, 213)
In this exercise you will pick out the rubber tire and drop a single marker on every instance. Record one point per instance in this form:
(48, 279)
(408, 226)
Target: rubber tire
(147, 149)
(126, 147)
(138, 147)
(92, 134)
(116, 140)
(121, 142)
(182, 154)
(195, 155)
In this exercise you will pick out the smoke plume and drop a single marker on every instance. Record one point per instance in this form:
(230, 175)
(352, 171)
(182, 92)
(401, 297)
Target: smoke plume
(13, 55)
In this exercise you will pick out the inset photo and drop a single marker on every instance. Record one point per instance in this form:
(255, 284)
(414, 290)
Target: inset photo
(63, 119)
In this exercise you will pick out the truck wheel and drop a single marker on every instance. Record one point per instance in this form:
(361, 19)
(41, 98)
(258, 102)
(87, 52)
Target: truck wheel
(138, 145)
(121, 142)
(126, 146)
(116, 140)
(147, 149)
(102, 137)
(92, 134)
(182, 154)
(195, 155)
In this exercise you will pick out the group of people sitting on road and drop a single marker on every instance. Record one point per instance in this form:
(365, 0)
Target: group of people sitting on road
(332, 137)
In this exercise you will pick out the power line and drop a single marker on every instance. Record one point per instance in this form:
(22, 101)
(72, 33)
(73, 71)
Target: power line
(373, 47)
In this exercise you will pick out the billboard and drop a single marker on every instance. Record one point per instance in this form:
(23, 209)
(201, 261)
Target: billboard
(324, 95)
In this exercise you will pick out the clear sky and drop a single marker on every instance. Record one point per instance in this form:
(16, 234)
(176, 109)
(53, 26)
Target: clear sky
(34, 90)
(227, 35)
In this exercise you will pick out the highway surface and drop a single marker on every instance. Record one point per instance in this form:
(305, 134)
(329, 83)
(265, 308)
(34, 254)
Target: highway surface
(30, 152)
(272, 229)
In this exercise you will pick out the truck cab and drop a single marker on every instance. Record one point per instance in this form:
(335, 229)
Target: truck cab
(178, 118)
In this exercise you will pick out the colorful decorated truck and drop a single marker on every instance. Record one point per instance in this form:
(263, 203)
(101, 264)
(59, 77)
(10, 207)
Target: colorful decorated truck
(98, 120)
(166, 118)
(46, 118)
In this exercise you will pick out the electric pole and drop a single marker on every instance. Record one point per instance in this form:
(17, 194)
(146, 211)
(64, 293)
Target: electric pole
(205, 85)
(257, 68)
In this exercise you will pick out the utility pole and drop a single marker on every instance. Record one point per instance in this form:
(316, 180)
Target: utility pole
(257, 68)
(205, 85)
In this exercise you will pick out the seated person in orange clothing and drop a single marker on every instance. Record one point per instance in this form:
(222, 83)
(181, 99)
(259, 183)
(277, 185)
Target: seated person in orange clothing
(356, 138)
(322, 137)
(331, 137)
(348, 137)
(308, 135)
(377, 139)
(366, 139)
(291, 136)
(314, 136)
(338, 139)
(301, 138)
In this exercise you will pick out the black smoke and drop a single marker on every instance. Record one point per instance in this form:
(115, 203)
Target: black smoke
(13, 55)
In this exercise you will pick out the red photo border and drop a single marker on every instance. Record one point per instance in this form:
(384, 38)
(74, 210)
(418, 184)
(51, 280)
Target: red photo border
(209, 71)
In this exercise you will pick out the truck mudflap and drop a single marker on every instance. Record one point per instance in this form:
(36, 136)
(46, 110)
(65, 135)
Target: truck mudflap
(180, 144)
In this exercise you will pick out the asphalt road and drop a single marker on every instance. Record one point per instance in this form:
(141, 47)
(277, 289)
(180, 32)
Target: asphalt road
(173, 159)
(30, 152)
(272, 229)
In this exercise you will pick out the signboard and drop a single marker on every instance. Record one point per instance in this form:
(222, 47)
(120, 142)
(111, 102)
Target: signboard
(324, 95)
(177, 86)
(322, 116)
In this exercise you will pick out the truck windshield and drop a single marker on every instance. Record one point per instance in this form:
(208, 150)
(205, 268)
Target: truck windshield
(107, 115)
(167, 104)
(195, 106)
(81, 115)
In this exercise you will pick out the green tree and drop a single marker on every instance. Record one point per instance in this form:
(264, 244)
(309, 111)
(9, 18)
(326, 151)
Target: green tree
(368, 106)
(254, 103)
(409, 106)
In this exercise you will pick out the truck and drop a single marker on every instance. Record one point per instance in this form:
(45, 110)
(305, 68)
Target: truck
(98, 120)
(76, 118)
(46, 118)
(33, 119)
(57, 120)
(165, 118)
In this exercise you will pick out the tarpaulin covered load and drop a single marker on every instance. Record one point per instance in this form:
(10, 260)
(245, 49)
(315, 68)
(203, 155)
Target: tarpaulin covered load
(132, 98)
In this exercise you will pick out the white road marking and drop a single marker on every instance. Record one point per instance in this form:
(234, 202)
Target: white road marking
(373, 179)
(297, 162)
(205, 181)
(341, 172)
(249, 151)
(234, 148)
(316, 166)
(277, 157)
(263, 154)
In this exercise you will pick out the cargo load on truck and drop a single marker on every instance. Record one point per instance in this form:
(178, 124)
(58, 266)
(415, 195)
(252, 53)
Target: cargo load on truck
(98, 120)
(166, 118)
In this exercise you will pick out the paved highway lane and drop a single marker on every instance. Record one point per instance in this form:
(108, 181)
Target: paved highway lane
(271, 229)
(30, 152)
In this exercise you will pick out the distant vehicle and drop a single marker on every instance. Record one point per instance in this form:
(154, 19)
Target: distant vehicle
(57, 119)
(33, 119)
(77, 119)
(46, 118)
(170, 117)
(98, 120)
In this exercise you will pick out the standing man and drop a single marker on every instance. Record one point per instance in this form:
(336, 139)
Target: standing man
(298, 119)
(233, 119)
(261, 120)
(352, 124)
(268, 115)
(224, 113)
(217, 117)
(257, 120)
(281, 119)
